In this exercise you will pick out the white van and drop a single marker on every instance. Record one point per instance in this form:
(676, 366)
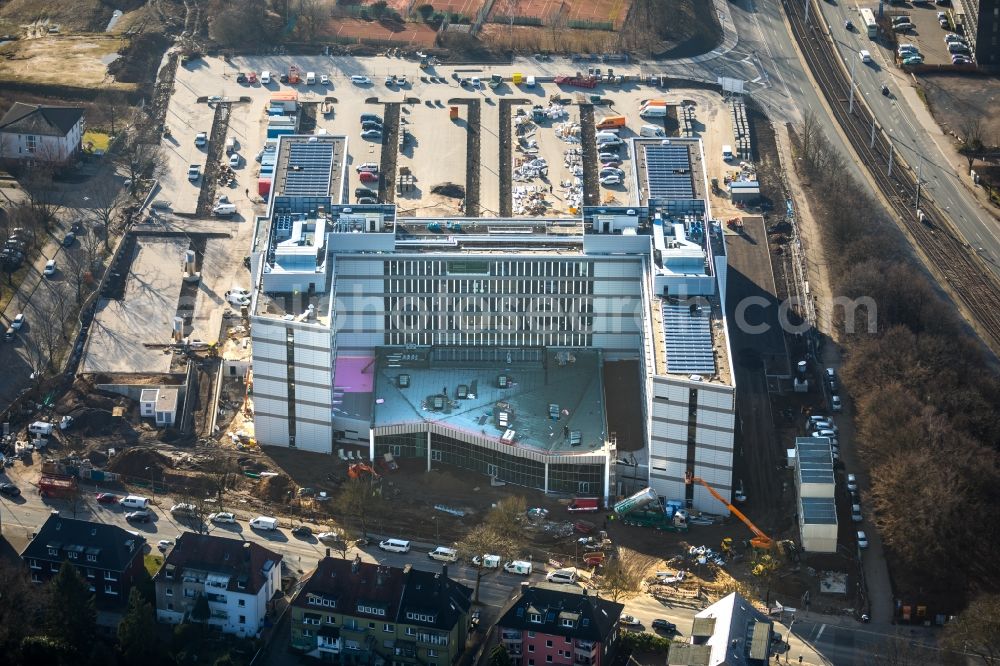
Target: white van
(651, 130)
(224, 209)
(136, 502)
(518, 567)
(486, 561)
(264, 523)
(530, 82)
(727, 153)
(395, 545)
(562, 576)
(41, 428)
(442, 554)
(310, 78)
(230, 145)
(265, 77)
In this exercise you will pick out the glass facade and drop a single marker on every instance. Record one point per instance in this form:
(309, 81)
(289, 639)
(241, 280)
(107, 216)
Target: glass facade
(584, 479)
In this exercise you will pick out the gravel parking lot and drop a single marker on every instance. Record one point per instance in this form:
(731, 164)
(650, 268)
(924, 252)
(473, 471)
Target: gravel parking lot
(927, 35)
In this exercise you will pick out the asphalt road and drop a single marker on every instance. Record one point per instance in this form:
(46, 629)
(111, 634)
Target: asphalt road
(915, 145)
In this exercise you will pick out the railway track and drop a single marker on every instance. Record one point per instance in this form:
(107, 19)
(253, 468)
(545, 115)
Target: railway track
(969, 279)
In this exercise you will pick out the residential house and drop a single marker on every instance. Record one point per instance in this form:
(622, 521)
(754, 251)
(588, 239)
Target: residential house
(351, 612)
(238, 578)
(107, 556)
(730, 632)
(41, 133)
(560, 625)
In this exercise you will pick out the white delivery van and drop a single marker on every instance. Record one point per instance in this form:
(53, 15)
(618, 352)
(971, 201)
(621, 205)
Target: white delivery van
(442, 554)
(653, 111)
(264, 523)
(230, 145)
(395, 545)
(224, 209)
(651, 130)
(530, 82)
(310, 78)
(265, 77)
(518, 567)
(487, 561)
(41, 428)
(727, 153)
(564, 576)
(136, 502)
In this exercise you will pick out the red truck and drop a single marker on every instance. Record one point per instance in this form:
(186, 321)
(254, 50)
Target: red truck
(585, 505)
(57, 486)
(579, 81)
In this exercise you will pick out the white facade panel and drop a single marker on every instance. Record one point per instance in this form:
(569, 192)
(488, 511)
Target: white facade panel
(314, 437)
(268, 430)
(264, 386)
(269, 368)
(267, 330)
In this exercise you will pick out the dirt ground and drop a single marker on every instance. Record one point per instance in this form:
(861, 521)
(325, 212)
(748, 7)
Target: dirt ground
(77, 61)
(957, 99)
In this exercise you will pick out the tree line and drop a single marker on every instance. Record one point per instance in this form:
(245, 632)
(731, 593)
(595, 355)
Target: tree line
(926, 392)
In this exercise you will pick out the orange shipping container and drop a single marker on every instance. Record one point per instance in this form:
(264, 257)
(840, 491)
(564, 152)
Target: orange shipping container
(655, 102)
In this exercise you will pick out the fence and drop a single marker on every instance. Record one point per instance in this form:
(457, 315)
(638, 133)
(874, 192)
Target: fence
(592, 25)
(517, 20)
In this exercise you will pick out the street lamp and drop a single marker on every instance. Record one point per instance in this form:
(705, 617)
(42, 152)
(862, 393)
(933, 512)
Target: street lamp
(152, 488)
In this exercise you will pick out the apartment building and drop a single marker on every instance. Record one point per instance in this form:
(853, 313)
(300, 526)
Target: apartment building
(108, 557)
(480, 343)
(354, 612)
(980, 20)
(239, 580)
(29, 132)
(559, 625)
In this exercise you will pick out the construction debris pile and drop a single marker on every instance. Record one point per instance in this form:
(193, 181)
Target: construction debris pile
(531, 169)
(530, 200)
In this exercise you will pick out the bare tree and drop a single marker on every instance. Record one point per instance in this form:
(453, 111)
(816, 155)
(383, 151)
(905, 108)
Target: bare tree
(977, 630)
(622, 577)
(107, 202)
(139, 160)
(311, 16)
(484, 540)
(508, 516)
(362, 500)
(973, 133)
(78, 273)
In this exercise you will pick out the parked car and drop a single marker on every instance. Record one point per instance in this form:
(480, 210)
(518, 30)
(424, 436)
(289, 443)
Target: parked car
(185, 509)
(611, 180)
(141, 516)
(368, 177)
(200, 139)
(222, 517)
(234, 160)
(852, 483)
(367, 200)
(324, 79)
(69, 239)
(902, 27)
(18, 322)
(913, 60)
(194, 172)
(371, 117)
(862, 539)
(241, 78)
(856, 513)
(952, 37)
(959, 59)
(866, 57)
(367, 166)
(944, 23)
(849, 25)
(329, 537)
(371, 125)
(664, 626)
(629, 621)
(372, 135)
(163, 544)
(835, 403)
(107, 498)
(302, 531)
(50, 268)
(360, 80)
(9, 489)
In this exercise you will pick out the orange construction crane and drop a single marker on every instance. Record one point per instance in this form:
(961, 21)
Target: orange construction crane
(760, 540)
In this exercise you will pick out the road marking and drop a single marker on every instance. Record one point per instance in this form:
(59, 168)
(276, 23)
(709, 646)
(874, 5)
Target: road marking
(822, 628)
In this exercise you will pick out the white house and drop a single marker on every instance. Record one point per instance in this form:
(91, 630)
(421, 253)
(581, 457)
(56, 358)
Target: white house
(239, 580)
(159, 404)
(45, 133)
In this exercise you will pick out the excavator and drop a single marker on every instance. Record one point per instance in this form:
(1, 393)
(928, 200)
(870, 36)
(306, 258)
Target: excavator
(760, 540)
(358, 470)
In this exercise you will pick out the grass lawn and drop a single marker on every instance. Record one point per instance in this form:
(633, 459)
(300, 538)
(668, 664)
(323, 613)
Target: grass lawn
(153, 563)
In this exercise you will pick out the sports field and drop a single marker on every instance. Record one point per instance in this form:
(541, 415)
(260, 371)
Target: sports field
(411, 34)
(596, 11)
(468, 8)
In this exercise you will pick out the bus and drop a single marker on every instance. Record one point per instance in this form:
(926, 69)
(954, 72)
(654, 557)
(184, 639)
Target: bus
(868, 18)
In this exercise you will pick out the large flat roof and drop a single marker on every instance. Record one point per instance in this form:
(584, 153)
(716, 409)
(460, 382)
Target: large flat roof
(689, 338)
(668, 169)
(309, 166)
(122, 329)
(536, 384)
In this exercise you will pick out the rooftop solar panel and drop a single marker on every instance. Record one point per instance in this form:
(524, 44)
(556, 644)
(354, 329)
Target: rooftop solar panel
(307, 169)
(819, 510)
(688, 336)
(668, 172)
